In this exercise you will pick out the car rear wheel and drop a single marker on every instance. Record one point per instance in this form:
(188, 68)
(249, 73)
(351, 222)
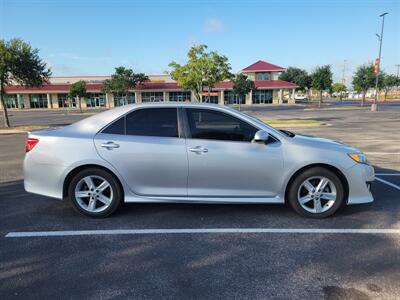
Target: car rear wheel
(316, 193)
(95, 192)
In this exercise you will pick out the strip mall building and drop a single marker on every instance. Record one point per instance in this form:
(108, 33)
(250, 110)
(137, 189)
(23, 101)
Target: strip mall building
(159, 88)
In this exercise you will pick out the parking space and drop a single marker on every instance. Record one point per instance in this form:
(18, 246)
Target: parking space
(209, 251)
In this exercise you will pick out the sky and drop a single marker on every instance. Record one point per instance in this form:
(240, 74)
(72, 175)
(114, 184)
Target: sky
(83, 37)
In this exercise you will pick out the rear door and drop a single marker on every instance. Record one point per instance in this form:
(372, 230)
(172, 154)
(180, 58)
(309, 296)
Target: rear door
(147, 150)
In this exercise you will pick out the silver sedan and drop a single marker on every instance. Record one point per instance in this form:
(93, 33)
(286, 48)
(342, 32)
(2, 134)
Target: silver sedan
(199, 153)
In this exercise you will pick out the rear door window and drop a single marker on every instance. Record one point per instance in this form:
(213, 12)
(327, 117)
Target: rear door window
(162, 122)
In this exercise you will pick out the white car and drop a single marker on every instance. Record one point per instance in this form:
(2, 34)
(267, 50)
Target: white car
(187, 152)
(300, 97)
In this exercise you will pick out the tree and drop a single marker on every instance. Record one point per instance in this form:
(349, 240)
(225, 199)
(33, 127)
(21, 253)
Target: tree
(78, 90)
(339, 88)
(389, 82)
(322, 80)
(122, 81)
(364, 79)
(242, 86)
(297, 76)
(202, 70)
(20, 64)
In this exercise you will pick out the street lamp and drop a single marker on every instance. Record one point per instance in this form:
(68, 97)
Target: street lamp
(374, 106)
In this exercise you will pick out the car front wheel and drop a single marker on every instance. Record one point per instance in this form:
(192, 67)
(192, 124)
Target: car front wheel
(95, 192)
(316, 193)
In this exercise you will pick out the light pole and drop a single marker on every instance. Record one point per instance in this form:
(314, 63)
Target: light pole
(374, 106)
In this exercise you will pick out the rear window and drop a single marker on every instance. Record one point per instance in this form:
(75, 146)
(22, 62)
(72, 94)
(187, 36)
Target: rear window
(117, 127)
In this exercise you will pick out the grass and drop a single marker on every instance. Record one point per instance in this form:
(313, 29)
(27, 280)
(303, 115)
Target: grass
(21, 128)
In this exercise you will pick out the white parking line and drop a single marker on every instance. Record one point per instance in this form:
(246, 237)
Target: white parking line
(198, 231)
(387, 174)
(382, 153)
(388, 183)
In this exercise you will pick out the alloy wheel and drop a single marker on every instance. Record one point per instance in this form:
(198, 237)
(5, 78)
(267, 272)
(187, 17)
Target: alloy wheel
(93, 194)
(317, 194)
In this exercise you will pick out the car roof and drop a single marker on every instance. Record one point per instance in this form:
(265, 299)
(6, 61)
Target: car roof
(92, 125)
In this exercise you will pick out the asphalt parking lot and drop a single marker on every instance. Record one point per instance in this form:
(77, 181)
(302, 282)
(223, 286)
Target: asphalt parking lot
(326, 260)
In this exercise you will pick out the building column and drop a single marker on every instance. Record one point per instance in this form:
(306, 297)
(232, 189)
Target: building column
(291, 97)
(54, 98)
(27, 103)
(83, 102)
(193, 97)
(109, 100)
(49, 103)
(138, 97)
(19, 101)
(166, 96)
(275, 97)
(249, 98)
(280, 96)
(221, 99)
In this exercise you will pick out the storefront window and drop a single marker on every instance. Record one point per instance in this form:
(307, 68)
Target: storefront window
(11, 100)
(231, 98)
(262, 96)
(65, 101)
(123, 99)
(152, 97)
(210, 99)
(96, 100)
(180, 96)
(38, 100)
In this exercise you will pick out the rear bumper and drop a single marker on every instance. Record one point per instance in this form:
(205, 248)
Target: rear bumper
(42, 179)
(360, 178)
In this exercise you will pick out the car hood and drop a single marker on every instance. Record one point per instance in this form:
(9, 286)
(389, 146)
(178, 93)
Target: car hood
(318, 142)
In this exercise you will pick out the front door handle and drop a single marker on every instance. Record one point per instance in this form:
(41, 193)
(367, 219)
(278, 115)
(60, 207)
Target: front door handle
(198, 150)
(110, 145)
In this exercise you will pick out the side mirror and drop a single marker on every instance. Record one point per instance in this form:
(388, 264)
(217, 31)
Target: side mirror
(261, 136)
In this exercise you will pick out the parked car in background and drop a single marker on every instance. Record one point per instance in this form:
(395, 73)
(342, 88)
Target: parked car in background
(186, 152)
(300, 97)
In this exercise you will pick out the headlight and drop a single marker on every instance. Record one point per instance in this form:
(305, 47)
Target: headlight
(359, 157)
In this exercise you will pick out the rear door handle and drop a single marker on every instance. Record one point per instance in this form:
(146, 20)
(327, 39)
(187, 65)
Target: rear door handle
(109, 145)
(198, 150)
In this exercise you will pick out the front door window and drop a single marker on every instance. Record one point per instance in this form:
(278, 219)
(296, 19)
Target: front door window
(214, 125)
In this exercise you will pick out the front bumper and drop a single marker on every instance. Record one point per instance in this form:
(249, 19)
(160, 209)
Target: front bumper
(360, 178)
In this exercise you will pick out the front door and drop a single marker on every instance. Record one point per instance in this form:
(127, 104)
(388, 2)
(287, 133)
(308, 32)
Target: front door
(147, 151)
(223, 160)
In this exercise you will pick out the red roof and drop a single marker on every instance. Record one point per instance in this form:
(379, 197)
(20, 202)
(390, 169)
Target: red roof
(259, 84)
(90, 87)
(262, 66)
(55, 87)
(168, 86)
(159, 86)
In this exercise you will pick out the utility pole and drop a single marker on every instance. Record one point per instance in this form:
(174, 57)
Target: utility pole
(374, 106)
(344, 70)
(398, 67)
(343, 79)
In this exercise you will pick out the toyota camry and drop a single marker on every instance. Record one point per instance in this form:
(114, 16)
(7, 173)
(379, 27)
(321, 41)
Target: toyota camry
(191, 153)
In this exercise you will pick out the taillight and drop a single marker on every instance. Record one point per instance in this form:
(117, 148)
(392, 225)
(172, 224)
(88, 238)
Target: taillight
(30, 144)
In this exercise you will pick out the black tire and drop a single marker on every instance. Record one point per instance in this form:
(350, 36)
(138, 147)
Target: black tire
(115, 186)
(309, 173)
